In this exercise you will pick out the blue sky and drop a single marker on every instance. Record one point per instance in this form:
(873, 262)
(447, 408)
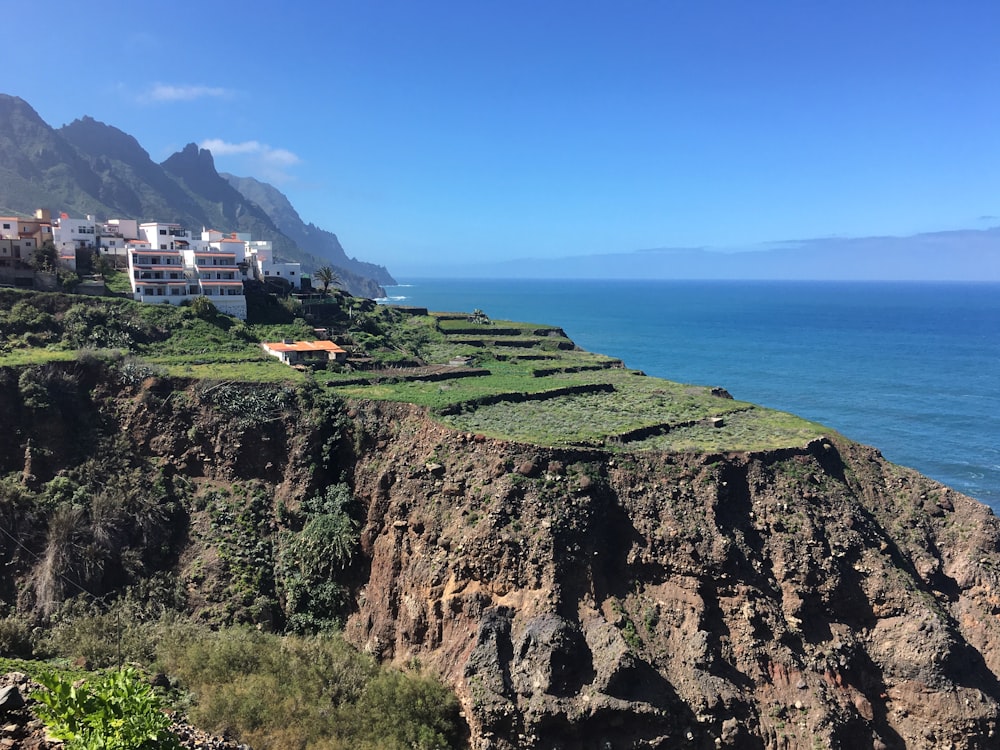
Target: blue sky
(435, 132)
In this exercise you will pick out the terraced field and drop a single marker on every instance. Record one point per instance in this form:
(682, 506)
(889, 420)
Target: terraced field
(530, 383)
(508, 379)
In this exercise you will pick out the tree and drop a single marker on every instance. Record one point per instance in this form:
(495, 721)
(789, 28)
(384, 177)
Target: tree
(102, 266)
(45, 258)
(327, 276)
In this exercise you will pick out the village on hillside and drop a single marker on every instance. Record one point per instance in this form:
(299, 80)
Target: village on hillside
(164, 261)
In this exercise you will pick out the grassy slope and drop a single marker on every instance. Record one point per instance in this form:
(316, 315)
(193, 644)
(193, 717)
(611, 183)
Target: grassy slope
(607, 405)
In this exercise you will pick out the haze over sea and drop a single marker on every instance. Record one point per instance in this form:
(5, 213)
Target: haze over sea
(910, 368)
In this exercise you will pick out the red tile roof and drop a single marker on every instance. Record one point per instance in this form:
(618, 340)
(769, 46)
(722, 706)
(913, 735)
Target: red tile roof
(305, 346)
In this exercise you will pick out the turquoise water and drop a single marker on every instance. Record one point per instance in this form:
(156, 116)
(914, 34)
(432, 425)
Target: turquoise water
(911, 368)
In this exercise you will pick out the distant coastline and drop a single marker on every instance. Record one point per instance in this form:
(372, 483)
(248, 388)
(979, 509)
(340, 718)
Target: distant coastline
(959, 255)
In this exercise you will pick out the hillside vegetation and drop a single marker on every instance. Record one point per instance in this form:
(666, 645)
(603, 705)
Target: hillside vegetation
(520, 381)
(109, 534)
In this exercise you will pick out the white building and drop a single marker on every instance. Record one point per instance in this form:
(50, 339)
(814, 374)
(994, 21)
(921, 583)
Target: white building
(265, 267)
(169, 265)
(9, 227)
(303, 352)
(157, 275)
(163, 236)
(213, 266)
(75, 234)
(113, 236)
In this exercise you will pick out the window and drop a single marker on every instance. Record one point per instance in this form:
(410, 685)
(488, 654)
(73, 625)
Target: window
(163, 231)
(6, 226)
(163, 247)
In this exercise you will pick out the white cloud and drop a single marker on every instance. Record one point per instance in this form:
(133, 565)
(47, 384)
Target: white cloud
(281, 156)
(219, 147)
(278, 157)
(162, 92)
(264, 161)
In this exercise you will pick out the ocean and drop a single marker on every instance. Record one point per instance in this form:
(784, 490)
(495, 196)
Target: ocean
(910, 368)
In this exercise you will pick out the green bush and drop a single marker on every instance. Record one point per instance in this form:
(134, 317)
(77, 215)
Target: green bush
(313, 558)
(407, 712)
(305, 692)
(125, 631)
(15, 637)
(118, 711)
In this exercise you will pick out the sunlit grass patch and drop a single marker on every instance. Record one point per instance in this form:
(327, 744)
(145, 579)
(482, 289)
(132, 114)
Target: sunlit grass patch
(19, 356)
(755, 429)
(594, 418)
(256, 371)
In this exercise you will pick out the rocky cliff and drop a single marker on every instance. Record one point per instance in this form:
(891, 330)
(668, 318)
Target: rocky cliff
(815, 596)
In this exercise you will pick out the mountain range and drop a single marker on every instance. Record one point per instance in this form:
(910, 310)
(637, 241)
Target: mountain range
(955, 255)
(91, 168)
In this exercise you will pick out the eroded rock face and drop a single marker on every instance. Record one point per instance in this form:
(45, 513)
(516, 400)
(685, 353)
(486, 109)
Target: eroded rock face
(812, 597)
(806, 598)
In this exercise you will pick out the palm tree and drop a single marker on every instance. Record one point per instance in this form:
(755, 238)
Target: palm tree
(327, 276)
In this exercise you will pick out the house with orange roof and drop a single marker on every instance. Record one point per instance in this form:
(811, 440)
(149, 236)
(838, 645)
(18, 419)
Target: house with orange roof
(305, 352)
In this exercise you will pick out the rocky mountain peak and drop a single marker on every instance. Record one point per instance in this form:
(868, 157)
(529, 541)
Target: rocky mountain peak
(96, 137)
(90, 167)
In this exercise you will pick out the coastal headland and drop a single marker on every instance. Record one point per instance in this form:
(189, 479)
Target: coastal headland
(586, 556)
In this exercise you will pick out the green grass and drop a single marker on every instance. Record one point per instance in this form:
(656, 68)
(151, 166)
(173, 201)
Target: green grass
(637, 403)
(285, 691)
(681, 412)
(494, 328)
(755, 429)
(21, 357)
(247, 371)
(117, 281)
(640, 413)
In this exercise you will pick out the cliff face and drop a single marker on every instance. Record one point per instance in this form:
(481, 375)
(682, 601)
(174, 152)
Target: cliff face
(804, 598)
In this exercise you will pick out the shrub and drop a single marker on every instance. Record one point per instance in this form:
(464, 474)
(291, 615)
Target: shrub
(408, 712)
(306, 692)
(24, 317)
(118, 711)
(94, 326)
(125, 631)
(204, 308)
(15, 637)
(311, 560)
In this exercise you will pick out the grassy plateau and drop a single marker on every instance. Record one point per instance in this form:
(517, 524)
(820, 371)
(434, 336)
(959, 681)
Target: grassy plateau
(521, 381)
